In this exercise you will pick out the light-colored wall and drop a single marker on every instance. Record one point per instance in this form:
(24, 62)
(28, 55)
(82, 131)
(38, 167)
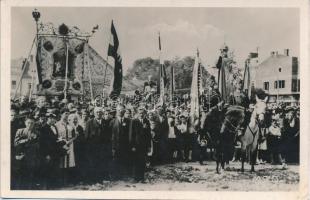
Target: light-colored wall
(268, 71)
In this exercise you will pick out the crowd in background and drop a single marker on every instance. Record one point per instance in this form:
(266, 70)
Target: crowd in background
(55, 143)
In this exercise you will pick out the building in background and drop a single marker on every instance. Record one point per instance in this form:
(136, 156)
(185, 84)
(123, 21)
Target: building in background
(16, 72)
(278, 75)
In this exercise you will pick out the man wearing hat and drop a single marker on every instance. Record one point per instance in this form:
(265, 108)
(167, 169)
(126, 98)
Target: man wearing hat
(291, 130)
(48, 156)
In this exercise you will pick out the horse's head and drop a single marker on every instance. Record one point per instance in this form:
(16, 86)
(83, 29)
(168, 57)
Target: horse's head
(260, 109)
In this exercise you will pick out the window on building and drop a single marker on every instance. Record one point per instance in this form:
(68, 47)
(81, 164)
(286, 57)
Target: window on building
(276, 84)
(294, 85)
(279, 84)
(13, 84)
(298, 85)
(29, 86)
(266, 85)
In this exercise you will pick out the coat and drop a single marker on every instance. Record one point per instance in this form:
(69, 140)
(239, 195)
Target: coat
(140, 136)
(27, 147)
(66, 133)
(95, 132)
(120, 135)
(48, 141)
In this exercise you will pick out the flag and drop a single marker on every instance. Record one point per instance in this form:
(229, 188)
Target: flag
(253, 55)
(172, 82)
(162, 80)
(247, 79)
(114, 52)
(195, 89)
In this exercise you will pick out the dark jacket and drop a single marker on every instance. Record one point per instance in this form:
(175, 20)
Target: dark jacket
(140, 136)
(48, 141)
(27, 147)
(163, 127)
(120, 135)
(95, 133)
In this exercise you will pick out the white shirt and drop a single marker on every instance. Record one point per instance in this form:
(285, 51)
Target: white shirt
(171, 132)
(183, 128)
(276, 131)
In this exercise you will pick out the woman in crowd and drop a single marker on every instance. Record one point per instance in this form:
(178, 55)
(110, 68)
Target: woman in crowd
(274, 139)
(66, 134)
(78, 146)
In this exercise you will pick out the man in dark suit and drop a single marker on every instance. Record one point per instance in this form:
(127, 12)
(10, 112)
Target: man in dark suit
(98, 146)
(48, 152)
(16, 123)
(163, 138)
(140, 142)
(119, 127)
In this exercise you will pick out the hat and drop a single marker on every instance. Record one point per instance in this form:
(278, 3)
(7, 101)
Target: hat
(50, 113)
(182, 116)
(290, 108)
(63, 110)
(96, 109)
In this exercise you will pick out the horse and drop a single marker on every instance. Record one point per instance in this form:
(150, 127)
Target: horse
(249, 139)
(224, 147)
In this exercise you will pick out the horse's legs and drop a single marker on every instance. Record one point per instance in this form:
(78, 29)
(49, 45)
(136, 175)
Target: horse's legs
(243, 155)
(223, 161)
(253, 155)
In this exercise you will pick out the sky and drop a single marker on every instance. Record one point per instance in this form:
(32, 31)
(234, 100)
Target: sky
(182, 30)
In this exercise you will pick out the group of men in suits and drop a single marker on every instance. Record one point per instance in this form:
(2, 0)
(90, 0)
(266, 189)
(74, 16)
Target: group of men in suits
(46, 150)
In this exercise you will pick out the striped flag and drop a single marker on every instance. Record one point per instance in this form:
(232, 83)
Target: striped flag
(162, 76)
(196, 88)
(114, 51)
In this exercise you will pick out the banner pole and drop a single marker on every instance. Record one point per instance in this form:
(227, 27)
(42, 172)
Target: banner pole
(24, 67)
(66, 75)
(89, 75)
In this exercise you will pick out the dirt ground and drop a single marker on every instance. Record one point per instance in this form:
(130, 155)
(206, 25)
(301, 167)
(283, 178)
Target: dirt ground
(193, 176)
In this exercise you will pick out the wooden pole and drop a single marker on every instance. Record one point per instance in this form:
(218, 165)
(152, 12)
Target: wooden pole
(24, 67)
(31, 86)
(89, 75)
(66, 75)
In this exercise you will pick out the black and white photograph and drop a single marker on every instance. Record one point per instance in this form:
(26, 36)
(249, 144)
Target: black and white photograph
(135, 98)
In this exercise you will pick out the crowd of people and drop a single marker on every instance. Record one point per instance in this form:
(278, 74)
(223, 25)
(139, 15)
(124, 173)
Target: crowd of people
(55, 143)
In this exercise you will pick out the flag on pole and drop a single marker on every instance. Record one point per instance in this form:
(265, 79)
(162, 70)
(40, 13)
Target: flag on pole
(162, 76)
(114, 52)
(172, 83)
(196, 88)
(247, 79)
(253, 55)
